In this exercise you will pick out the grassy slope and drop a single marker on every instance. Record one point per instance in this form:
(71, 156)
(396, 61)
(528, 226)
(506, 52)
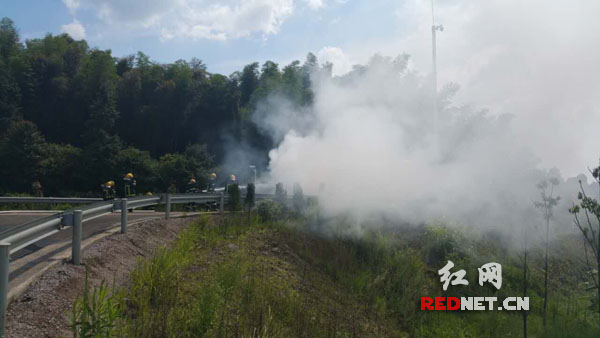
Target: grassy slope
(251, 279)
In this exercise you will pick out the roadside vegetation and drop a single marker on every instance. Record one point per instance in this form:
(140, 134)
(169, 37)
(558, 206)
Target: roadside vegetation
(271, 274)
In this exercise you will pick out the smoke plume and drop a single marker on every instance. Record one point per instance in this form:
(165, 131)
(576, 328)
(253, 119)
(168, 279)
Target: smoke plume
(373, 140)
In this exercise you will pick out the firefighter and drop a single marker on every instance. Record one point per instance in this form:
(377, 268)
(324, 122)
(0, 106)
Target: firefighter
(211, 183)
(192, 187)
(128, 185)
(232, 181)
(111, 190)
(210, 188)
(108, 190)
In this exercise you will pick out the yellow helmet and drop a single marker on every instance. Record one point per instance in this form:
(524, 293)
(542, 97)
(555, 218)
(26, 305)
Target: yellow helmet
(110, 183)
(148, 193)
(213, 175)
(192, 180)
(129, 175)
(232, 176)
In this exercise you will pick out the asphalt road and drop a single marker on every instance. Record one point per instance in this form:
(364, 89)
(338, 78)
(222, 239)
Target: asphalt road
(31, 258)
(16, 218)
(12, 218)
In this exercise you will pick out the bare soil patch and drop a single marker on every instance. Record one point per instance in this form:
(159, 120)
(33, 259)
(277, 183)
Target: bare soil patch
(43, 310)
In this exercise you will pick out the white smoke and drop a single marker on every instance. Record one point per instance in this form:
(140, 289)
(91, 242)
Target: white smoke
(535, 59)
(373, 141)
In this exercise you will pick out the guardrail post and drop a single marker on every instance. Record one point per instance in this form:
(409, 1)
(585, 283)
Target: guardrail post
(76, 245)
(168, 207)
(4, 259)
(222, 204)
(124, 212)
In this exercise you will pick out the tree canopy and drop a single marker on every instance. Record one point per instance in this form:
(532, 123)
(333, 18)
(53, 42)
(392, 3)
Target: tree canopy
(73, 117)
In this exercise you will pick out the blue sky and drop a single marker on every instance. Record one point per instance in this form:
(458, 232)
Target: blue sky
(288, 31)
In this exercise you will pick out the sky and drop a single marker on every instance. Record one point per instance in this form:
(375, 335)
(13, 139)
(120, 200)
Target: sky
(226, 35)
(534, 59)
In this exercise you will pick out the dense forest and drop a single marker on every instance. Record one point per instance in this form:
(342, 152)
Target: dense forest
(73, 117)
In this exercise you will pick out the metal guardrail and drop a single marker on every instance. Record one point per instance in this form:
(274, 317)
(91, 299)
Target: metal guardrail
(5, 233)
(39, 228)
(49, 200)
(19, 237)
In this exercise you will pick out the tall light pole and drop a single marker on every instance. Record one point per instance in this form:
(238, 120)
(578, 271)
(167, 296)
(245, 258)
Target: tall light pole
(434, 29)
(253, 168)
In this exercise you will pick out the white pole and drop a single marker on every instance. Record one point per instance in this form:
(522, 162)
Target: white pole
(434, 28)
(434, 66)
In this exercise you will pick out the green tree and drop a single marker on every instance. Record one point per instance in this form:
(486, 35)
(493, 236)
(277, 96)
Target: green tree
(21, 154)
(292, 82)
(178, 168)
(589, 225)
(309, 67)
(248, 83)
(546, 204)
(101, 145)
(100, 80)
(200, 163)
(10, 94)
(59, 169)
(52, 96)
(9, 40)
(99, 158)
(140, 164)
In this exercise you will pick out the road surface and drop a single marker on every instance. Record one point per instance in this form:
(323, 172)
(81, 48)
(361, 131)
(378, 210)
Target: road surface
(32, 259)
(12, 218)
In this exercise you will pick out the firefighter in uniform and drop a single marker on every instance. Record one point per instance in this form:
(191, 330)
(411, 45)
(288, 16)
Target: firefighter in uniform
(128, 185)
(210, 188)
(232, 181)
(211, 183)
(108, 190)
(191, 188)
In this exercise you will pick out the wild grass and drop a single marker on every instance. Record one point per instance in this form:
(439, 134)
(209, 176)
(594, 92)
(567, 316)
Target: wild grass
(213, 283)
(98, 312)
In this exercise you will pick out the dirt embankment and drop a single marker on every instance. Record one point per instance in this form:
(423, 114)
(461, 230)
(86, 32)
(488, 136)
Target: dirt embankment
(43, 310)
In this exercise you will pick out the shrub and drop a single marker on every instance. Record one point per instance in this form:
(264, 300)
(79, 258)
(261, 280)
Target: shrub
(233, 190)
(268, 210)
(440, 242)
(298, 199)
(250, 194)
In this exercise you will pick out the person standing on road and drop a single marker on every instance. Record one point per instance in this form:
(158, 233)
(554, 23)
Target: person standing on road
(128, 185)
